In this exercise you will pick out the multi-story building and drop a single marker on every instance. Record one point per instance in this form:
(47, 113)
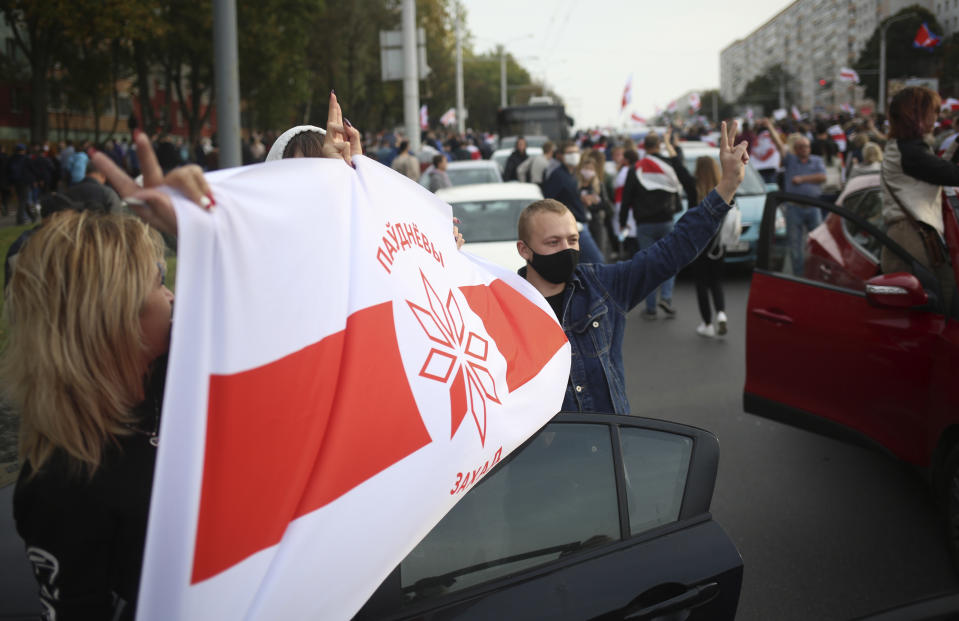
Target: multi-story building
(812, 40)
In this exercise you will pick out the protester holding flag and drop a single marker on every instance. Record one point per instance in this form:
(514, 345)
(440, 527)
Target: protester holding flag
(591, 300)
(912, 179)
(89, 320)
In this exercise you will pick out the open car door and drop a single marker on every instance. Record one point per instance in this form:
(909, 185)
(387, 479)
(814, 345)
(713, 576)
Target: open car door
(836, 346)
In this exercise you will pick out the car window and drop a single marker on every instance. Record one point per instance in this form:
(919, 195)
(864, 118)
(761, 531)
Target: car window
(555, 497)
(867, 204)
(829, 248)
(467, 176)
(489, 221)
(656, 465)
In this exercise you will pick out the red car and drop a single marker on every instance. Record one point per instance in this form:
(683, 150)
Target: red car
(838, 347)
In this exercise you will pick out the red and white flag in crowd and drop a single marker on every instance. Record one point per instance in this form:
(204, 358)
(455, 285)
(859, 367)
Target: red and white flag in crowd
(627, 93)
(847, 74)
(638, 119)
(671, 107)
(424, 117)
(925, 38)
(340, 375)
(795, 112)
(694, 102)
(656, 174)
(764, 153)
(448, 118)
(838, 136)
(951, 103)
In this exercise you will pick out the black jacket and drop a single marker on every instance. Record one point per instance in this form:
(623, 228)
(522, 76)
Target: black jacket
(654, 206)
(515, 159)
(85, 537)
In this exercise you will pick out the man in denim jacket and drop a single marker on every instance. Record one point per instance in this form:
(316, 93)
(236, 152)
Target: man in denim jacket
(591, 300)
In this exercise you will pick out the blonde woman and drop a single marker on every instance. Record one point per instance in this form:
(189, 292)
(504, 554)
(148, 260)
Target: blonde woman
(871, 161)
(707, 268)
(592, 192)
(89, 320)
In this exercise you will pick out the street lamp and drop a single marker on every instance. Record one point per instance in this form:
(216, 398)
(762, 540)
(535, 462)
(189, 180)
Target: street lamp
(881, 106)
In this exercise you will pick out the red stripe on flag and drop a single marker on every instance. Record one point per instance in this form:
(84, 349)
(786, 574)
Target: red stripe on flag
(289, 437)
(647, 165)
(524, 334)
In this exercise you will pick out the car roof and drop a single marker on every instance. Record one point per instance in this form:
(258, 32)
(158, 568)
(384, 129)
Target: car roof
(491, 191)
(471, 164)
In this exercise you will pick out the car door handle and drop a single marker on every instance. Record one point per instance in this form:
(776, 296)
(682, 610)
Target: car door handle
(695, 596)
(776, 316)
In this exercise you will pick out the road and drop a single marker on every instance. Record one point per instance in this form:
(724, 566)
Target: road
(826, 530)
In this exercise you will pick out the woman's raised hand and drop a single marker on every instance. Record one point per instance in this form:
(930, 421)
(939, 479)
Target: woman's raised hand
(342, 140)
(154, 206)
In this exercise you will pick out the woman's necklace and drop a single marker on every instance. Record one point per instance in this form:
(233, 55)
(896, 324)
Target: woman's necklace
(154, 435)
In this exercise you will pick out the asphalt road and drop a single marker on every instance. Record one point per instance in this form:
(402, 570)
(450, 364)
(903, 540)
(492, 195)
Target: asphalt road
(826, 530)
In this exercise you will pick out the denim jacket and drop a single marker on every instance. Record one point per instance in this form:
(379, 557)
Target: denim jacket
(597, 299)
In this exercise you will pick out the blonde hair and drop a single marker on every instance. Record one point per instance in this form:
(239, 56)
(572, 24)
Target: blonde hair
(871, 153)
(540, 206)
(593, 183)
(707, 176)
(74, 362)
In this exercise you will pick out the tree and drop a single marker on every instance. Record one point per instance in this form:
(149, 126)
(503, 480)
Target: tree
(36, 27)
(949, 74)
(902, 59)
(764, 89)
(723, 107)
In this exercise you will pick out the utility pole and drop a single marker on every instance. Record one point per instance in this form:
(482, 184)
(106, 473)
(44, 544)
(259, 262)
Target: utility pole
(502, 77)
(460, 109)
(227, 70)
(881, 104)
(411, 82)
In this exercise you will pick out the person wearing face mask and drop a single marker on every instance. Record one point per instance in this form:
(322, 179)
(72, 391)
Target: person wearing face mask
(561, 186)
(912, 180)
(591, 300)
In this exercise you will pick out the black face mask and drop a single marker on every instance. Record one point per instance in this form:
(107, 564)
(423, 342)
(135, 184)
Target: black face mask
(558, 267)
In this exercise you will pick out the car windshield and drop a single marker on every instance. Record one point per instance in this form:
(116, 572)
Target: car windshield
(467, 176)
(489, 221)
(752, 184)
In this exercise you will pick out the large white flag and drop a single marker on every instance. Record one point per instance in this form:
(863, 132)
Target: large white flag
(340, 375)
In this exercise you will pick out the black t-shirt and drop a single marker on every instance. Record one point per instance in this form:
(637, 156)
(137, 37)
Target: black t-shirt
(556, 302)
(85, 536)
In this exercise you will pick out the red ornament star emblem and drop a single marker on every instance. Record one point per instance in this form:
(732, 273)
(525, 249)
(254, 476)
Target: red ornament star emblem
(459, 354)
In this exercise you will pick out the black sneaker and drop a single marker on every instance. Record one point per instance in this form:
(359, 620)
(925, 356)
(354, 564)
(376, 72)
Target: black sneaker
(667, 306)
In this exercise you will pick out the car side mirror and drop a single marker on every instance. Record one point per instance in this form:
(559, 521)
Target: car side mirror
(897, 290)
(772, 187)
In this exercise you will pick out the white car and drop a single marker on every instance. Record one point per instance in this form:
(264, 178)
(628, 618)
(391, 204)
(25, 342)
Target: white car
(467, 172)
(488, 214)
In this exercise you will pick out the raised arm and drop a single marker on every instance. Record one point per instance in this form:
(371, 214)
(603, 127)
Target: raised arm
(774, 134)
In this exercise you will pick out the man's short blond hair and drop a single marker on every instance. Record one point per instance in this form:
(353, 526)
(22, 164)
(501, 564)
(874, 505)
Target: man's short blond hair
(546, 204)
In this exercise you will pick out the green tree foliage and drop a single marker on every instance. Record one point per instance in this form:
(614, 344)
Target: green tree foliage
(724, 109)
(902, 59)
(763, 90)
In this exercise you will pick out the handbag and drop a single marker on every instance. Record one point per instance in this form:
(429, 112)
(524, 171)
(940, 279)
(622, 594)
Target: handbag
(931, 239)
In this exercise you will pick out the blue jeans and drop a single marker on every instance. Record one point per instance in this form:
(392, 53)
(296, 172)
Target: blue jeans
(797, 219)
(588, 250)
(648, 234)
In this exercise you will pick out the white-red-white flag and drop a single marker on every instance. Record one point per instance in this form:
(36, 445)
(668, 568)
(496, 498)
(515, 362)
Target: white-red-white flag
(847, 74)
(627, 93)
(795, 112)
(694, 102)
(424, 117)
(950, 103)
(671, 107)
(638, 118)
(838, 136)
(764, 153)
(656, 174)
(339, 376)
(448, 118)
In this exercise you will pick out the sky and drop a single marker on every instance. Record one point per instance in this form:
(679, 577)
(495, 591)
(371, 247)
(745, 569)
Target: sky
(586, 49)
